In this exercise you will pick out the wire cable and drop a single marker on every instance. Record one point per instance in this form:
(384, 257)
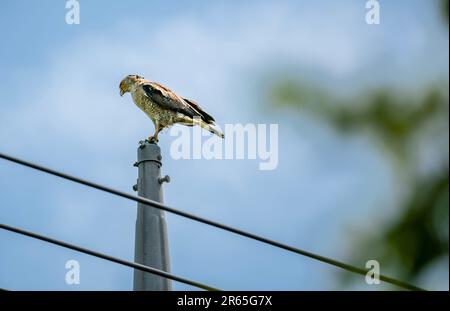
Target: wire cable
(107, 257)
(249, 235)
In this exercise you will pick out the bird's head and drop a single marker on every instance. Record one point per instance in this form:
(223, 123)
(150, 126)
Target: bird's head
(128, 82)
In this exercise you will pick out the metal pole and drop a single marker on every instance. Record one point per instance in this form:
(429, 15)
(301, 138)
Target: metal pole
(151, 245)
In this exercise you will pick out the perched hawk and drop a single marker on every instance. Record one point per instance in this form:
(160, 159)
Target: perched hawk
(164, 107)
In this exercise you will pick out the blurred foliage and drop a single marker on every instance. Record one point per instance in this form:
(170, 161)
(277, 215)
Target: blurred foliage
(395, 118)
(419, 234)
(445, 8)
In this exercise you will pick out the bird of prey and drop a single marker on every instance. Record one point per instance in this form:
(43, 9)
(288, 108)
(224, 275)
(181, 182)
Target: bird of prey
(164, 107)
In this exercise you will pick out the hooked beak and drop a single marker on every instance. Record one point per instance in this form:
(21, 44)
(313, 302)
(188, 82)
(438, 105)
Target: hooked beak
(122, 88)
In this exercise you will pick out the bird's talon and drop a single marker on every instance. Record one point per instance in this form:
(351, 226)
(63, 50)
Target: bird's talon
(152, 140)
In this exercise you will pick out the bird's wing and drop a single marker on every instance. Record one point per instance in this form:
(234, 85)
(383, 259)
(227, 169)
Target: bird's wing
(206, 117)
(167, 99)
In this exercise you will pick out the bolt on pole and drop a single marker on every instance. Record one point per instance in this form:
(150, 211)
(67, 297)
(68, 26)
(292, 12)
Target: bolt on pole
(151, 242)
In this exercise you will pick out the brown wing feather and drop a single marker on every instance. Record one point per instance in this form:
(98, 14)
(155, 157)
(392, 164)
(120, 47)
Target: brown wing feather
(205, 116)
(167, 99)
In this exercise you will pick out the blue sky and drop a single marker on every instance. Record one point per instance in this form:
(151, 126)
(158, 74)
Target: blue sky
(60, 107)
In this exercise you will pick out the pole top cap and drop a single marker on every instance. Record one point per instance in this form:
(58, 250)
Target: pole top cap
(148, 152)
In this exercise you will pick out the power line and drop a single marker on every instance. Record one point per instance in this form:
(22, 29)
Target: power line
(107, 257)
(145, 201)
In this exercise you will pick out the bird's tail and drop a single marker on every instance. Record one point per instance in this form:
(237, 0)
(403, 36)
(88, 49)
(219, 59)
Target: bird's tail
(209, 127)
